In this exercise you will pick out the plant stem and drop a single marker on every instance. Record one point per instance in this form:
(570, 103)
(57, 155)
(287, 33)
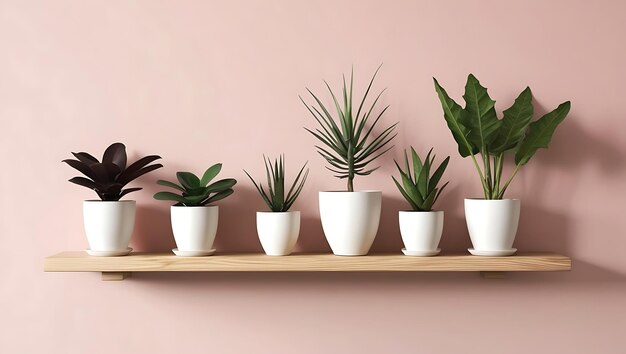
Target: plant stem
(482, 178)
(506, 185)
(487, 165)
(350, 166)
(498, 164)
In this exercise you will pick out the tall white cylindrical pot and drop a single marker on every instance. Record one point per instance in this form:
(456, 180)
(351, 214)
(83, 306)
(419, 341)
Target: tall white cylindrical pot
(278, 231)
(421, 230)
(194, 227)
(492, 224)
(109, 225)
(350, 220)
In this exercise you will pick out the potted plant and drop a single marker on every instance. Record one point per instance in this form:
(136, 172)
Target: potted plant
(492, 221)
(278, 229)
(349, 143)
(109, 222)
(194, 221)
(421, 227)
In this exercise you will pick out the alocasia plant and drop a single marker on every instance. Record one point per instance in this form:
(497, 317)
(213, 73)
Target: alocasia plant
(477, 129)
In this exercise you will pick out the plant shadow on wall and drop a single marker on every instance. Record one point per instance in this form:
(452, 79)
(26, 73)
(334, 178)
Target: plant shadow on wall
(153, 229)
(571, 151)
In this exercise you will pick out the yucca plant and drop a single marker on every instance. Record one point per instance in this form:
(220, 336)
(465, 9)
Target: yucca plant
(349, 137)
(420, 188)
(275, 196)
(195, 191)
(477, 129)
(109, 176)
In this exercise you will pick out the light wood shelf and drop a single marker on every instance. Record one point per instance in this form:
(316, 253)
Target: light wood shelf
(119, 268)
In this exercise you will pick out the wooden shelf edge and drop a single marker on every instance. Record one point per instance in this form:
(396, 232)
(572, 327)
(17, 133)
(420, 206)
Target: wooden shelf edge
(119, 268)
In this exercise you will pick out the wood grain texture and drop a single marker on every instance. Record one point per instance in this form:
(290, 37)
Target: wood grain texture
(254, 262)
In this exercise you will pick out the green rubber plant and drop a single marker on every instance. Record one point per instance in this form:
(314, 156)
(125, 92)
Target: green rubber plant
(275, 196)
(349, 137)
(195, 191)
(477, 130)
(420, 188)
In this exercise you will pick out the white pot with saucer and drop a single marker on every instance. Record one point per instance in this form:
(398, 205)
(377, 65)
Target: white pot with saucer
(492, 225)
(421, 232)
(109, 226)
(194, 229)
(350, 220)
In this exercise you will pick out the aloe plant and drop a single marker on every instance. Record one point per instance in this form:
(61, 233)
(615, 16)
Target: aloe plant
(477, 129)
(109, 176)
(275, 196)
(196, 191)
(420, 188)
(349, 137)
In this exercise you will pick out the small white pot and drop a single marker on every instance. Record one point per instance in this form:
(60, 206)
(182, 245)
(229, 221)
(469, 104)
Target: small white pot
(492, 224)
(350, 220)
(278, 231)
(109, 225)
(421, 230)
(194, 227)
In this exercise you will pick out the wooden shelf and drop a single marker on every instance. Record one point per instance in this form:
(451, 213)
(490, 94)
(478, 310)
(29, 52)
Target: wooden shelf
(119, 268)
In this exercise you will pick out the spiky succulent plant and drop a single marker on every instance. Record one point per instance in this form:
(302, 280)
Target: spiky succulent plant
(420, 188)
(275, 196)
(350, 140)
(109, 176)
(197, 191)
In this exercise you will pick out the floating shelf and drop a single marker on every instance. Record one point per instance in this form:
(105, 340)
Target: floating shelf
(119, 268)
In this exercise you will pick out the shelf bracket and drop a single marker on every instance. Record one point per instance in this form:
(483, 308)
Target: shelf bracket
(493, 275)
(115, 276)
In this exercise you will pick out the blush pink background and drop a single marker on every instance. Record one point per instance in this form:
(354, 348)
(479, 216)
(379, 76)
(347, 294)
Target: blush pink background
(200, 82)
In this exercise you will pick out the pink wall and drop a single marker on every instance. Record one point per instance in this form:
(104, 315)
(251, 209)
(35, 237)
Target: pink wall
(201, 82)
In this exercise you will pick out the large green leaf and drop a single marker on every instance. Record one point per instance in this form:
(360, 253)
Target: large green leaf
(188, 180)
(514, 123)
(219, 196)
(540, 133)
(210, 173)
(170, 184)
(479, 114)
(221, 185)
(452, 113)
(170, 196)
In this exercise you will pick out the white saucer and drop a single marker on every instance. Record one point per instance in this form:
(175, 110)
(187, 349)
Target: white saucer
(109, 253)
(493, 253)
(192, 253)
(421, 253)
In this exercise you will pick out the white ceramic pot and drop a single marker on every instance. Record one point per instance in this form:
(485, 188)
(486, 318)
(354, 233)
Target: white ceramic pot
(278, 231)
(194, 227)
(350, 220)
(421, 230)
(492, 224)
(109, 225)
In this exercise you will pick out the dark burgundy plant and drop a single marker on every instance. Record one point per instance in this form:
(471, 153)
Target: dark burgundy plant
(108, 178)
